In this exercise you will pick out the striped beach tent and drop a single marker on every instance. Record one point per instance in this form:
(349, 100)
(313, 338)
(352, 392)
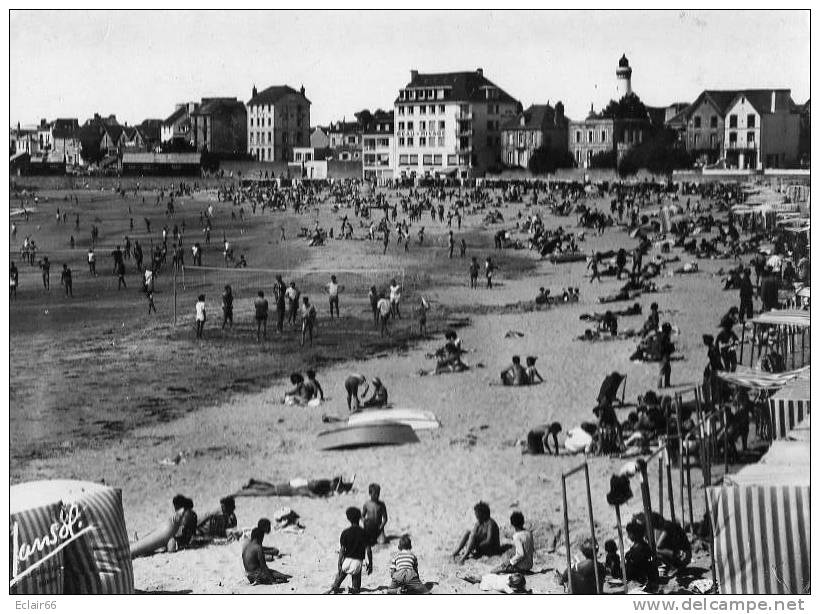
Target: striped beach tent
(761, 522)
(789, 406)
(68, 537)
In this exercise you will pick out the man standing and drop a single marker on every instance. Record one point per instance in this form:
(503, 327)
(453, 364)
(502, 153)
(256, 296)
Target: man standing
(666, 350)
(474, 273)
(746, 295)
(395, 298)
(92, 262)
(45, 267)
(451, 243)
(333, 295)
(14, 280)
(260, 306)
(279, 290)
(65, 280)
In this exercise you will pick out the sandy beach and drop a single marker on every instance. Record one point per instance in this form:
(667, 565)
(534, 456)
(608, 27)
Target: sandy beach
(429, 487)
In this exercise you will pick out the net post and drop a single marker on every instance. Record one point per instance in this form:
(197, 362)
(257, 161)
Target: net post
(175, 296)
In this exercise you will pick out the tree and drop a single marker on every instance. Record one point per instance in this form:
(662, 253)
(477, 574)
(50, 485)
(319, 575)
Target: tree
(90, 151)
(661, 154)
(628, 107)
(364, 117)
(177, 145)
(545, 161)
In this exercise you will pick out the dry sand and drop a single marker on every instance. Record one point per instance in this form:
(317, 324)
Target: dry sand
(430, 487)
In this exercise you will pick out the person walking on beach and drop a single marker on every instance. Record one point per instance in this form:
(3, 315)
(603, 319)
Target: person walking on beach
(333, 290)
(308, 315)
(746, 296)
(121, 275)
(474, 273)
(14, 280)
(593, 265)
(489, 269)
(45, 267)
(279, 291)
(92, 262)
(200, 315)
(385, 309)
(666, 350)
(451, 243)
(395, 298)
(227, 307)
(149, 294)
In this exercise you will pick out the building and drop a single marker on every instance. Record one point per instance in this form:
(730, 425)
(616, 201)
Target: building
(378, 147)
(65, 139)
(345, 140)
(151, 163)
(450, 124)
(23, 139)
(177, 126)
(219, 125)
(278, 120)
(319, 138)
(538, 126)
(623, 76)
(151, 131)
(716, 116)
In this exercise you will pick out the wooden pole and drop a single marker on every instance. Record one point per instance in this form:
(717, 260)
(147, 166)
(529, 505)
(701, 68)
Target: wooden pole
(621, 547)
(689, 492)
(669, 488)
(598, 580)
(742, 341)
(566, 533)
(725, 441)
(647, 508)
(175, 296)
(660, 483)
(680, 453)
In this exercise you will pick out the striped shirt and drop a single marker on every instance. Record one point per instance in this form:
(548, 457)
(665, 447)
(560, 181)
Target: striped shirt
(404, 559)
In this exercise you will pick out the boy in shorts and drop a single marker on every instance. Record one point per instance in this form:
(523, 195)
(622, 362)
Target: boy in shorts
(354, 554)
(374, 516)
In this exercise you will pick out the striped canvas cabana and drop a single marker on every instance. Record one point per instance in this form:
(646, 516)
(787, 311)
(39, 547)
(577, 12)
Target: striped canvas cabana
(789, 406)
(761, 521)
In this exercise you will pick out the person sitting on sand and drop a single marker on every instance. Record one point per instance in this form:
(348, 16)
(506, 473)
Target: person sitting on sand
(217, 522)
(514, 375)
(298, 395)
(523, 546)
(532, 374)
(543, 297)
(671, 541)
(255, 564)
(313, 389)
(354, 554)
(641, 565)
(484, 539)
(609, 323)
(449, 356)
(175, 534)
(374, 516)
(583, 572)
(379, 397)
(653, 322)
(404, 570)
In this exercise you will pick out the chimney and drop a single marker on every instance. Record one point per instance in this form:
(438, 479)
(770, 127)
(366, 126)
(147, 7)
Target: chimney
(302, 90)
(774, 104)
(559, 112)
(253, 91)
(479, 72)
(414, 74)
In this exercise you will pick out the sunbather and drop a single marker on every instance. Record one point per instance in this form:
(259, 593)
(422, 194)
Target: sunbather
(176, 533)
(484, 538)
(217, 522)
(532, 374)
(514, 375)
(256, 567)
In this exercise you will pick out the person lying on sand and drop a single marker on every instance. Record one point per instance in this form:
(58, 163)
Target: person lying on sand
(175, 534)
(255, 564)
(513, 584)
(537, 441)
(484, 539)
(514, 375)
(217, 522)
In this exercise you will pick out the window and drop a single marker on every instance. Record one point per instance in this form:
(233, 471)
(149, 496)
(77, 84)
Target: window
(401, 109)
(441, 125)
(422, 109)
(589, 136)
(251, 121)
(414, 159)
(697, 121)
(452, 159)
(578, 156)
(577, 136)
(733, 121)
(489, 141)
(713, 140)
(404, 159)
(410, 110)
(603, 136)
(410, 141)
(441, 108)
(401, 125)
(441, 141)
(401, 141)
(269, 121)
(409, 125)
(431, 94)
(437, 159)
(422, 125)
(750, 138)
(733, 137)
(697, 140)
(422, 141)
(750, 121)
(489, 124)
(427, 159)
(713, 121)
(432, 109)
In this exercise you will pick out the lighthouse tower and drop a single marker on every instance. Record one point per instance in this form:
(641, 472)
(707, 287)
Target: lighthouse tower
(624, 74)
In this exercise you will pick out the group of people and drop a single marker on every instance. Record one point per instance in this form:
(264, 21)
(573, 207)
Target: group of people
(517, 375)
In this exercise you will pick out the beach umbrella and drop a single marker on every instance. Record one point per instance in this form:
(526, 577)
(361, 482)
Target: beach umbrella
(619, 493)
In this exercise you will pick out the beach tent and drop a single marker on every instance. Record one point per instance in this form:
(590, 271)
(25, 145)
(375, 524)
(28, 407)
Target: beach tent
(789, 406)
(758, 379)
(68, 537)
(761, 521)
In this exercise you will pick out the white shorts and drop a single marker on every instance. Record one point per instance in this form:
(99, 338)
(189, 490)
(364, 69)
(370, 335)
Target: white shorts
(352, 566)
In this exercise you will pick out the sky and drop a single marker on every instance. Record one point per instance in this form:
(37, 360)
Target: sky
(137, 65)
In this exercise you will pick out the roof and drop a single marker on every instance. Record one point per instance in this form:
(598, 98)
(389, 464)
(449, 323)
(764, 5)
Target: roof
(114, 132)
(536, 117)
(344, 127)
(784, 317)
(175, 116)
(274, 94)
(723, 99)
(150, 129)
(467, 86)
(65, 128)
(161, 158)
(219, 105)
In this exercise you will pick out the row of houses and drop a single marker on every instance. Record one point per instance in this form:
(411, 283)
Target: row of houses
(458, 124)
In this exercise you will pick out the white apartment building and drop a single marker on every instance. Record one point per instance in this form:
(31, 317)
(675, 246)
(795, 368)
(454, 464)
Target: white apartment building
(378, 148)
(278, 122)
(449, 124)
